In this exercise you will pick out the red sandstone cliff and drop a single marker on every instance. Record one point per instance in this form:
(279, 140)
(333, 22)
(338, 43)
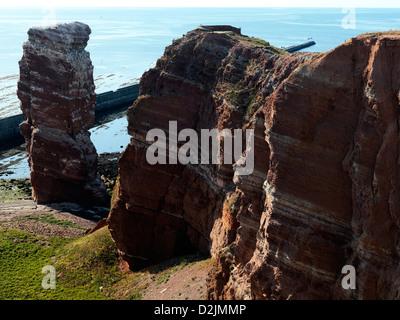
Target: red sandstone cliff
(323, 193)
(331, 193)
(57, 96)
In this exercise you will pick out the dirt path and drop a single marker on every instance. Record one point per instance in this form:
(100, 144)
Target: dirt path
(184, 281)
(54, 220)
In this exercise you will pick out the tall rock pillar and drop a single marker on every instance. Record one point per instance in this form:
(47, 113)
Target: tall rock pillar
(57, 96)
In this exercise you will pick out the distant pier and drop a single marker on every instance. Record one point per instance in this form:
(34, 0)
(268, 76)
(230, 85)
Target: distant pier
(299, 46)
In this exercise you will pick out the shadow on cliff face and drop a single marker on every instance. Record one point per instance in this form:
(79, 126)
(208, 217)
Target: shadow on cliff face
(159, 210)
(183, 252)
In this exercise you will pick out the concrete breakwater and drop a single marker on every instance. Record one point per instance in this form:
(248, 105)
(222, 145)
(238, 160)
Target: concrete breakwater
(111, 99)
(299, 46)
(106, 102)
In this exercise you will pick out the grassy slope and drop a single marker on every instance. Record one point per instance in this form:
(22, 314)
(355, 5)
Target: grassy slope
(86, 269)
(82, 265)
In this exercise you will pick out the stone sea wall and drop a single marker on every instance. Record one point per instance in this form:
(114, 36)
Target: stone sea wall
(106, 102)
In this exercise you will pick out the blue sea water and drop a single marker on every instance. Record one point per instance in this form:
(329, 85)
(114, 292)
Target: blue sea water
(128, 41)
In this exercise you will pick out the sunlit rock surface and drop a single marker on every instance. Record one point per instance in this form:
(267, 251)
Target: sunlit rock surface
(57, 98)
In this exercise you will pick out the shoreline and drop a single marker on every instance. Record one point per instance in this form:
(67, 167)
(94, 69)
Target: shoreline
(107, 164)
(20, 189)
(19, 152)
(107, 104)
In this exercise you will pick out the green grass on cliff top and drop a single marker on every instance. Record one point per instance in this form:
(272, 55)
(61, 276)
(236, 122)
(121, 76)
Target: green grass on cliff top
(256, 42)
(379, 33)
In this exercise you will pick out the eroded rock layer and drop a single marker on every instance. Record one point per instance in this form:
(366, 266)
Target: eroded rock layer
(331, 193)
(204, 80)
(57, 96)
(323, 193)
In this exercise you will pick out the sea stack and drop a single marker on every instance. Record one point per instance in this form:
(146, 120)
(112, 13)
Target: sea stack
(57, 96)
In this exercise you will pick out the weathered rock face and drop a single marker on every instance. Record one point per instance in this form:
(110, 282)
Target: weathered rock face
(204, 81)
(330, 193)
(324, 190)
(57, 96)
